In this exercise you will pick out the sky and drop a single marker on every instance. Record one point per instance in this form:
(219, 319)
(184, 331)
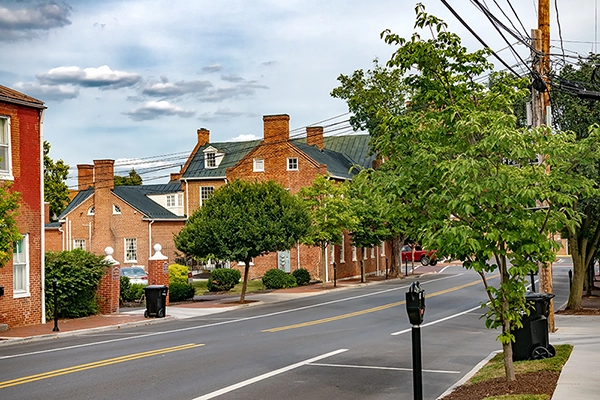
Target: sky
(132, 80)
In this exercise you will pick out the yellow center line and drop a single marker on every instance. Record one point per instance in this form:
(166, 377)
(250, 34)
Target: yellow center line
(95, 364)
(369, 310)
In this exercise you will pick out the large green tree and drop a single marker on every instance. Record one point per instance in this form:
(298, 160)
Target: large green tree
(56, 191)
(330, 214)
(9, 232)
(469, 180)
(572, 113)
(243, 220)
(132, 179)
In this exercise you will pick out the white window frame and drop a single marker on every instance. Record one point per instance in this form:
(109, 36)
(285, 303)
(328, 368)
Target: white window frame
(332, 252)
(354, 253)
(258, 165)
(91, 210)
(116, 209)
(171, 198)
(204, 196)
(5, 134)
(342, 250)
(180, 200)
(382, 248)
(130, 247)
(79, 244)
(292, 164)
(210, 159)
(364, 253)
(21, 267)
(373, 252)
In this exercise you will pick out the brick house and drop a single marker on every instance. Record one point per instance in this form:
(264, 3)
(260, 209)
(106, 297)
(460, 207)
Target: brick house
(293, 163)
(21, 146)
(130, 219)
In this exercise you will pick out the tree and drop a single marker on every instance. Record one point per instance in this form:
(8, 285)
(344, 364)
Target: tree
(572, 113)
(133, 179)
(56, 191)
(9, 232)
(330, 214)
(469, 181)
(243, 220)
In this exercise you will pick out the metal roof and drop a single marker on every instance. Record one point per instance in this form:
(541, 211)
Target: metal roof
(233, 153)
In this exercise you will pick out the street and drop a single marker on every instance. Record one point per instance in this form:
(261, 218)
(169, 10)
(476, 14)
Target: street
(350, 344)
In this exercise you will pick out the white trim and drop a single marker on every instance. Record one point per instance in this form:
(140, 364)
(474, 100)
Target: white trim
(134, 241)
(212, 190)
(289, 159)
(26, 292)
(258, 165)
(8, 173)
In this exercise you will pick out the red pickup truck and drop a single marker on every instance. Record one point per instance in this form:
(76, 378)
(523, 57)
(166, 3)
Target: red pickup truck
(425, 257)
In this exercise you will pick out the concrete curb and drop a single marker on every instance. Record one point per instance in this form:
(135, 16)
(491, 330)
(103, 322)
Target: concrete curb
(469, 375)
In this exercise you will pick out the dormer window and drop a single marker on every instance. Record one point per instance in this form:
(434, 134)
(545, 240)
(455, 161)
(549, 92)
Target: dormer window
(212, 158)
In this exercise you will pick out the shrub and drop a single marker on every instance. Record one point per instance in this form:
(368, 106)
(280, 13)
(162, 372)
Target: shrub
(302, 276)
(178, 274)
(180, 291)
(278, 279)
(223, 279)
(129, 291)
(78, 273)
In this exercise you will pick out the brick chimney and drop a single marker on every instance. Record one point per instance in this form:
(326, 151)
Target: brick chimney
(104, 174)
(175, 176)
(276, 128)
(203, 136)
(85, 176)
(314, 136)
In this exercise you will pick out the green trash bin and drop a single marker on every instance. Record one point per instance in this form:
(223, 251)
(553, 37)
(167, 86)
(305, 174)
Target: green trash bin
(531, 341)
(156, 301)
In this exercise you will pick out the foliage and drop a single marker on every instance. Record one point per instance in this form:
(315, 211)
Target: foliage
(461, 174)
(56, 191)
(78, 273)
(180, 291)
(178, 274)
(243, 220)
(9, 232)
(302, 276)
(278, 279)
(253, 286)
(133, 179)
(223, 279)
(129, 291)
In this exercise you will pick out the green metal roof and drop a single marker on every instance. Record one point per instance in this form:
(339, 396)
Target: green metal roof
(234, 152)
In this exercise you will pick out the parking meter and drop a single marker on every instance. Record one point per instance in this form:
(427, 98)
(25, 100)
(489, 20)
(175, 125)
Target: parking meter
(415, 303)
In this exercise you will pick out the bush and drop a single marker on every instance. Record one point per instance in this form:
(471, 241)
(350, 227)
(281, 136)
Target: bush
(124, 289)
(278, 279)
(178, 274)
(180, 291)
(302, 276)
(223, 279)
(78, 273)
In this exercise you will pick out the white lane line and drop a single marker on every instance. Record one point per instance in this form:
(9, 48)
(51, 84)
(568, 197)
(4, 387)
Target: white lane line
(266, 376)
(221, 322)
(438, 321)
(383, 368)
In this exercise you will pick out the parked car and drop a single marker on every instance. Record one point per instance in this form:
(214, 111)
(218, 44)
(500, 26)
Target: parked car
(425, 257)
(135, 274)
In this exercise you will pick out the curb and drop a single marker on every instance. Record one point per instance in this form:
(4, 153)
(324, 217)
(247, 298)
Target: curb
(469, 375)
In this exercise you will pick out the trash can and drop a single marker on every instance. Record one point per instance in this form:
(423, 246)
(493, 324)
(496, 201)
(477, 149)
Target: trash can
(156, 301)
(531, 341)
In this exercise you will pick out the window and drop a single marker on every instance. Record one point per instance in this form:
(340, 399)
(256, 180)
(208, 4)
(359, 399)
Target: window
(383, 248)
(372, 252)
(364, 253)
(332, 254)
(131, 250)
(292, 164)
(79, 244)
(353, 253)
(116, 209)
(210, 160)
(91, 211)
(342, 248)
(21, 267)
(5, 155)
(259, 165)
(180, 200)
(170, 200)
(205, 193)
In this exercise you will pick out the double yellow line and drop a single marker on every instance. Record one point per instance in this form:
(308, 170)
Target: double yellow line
(96, 364)
(369, 310)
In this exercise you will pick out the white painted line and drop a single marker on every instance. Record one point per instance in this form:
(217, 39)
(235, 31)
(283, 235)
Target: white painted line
(438, 321)
(266, 376)
(383, 368)
(219, 323)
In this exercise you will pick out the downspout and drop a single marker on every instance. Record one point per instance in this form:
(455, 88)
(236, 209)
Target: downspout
(43, 216)
(62, 233)
(150, 240)
(187, 204)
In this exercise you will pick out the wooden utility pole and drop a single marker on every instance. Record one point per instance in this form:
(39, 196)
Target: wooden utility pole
(540, 105)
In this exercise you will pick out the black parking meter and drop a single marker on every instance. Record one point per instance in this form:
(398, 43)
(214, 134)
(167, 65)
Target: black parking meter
(415, 303)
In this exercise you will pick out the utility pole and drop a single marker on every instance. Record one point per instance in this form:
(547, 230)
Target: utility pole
(540, 105)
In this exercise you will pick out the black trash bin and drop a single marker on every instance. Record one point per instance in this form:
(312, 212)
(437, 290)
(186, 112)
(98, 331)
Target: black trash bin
(531, 341)
(156, 301)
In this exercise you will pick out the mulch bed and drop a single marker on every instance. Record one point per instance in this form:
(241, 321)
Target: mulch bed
(530, 383)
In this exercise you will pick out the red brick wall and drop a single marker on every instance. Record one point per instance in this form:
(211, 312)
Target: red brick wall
(25, 146)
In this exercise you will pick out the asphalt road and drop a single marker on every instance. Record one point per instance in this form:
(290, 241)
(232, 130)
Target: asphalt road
(350, 344)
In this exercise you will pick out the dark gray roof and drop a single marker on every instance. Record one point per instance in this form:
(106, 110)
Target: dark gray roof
(77, 200)
(234, 152)
(338, 165)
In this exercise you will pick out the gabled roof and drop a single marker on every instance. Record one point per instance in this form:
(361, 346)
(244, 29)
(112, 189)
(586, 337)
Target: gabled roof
(12, 96)
(136, 197)
(340, 153)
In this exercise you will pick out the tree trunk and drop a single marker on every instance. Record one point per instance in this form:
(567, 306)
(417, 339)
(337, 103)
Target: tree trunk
(246, 270)
(396, 264)
(509, 367)
(579, 266)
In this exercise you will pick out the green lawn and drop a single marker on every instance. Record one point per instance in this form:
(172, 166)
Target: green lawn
(253, 286)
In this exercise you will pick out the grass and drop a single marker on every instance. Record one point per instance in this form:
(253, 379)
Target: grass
(253, 286)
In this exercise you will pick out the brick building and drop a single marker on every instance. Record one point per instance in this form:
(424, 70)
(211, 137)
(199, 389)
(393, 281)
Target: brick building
(293, 163)
(21, 147)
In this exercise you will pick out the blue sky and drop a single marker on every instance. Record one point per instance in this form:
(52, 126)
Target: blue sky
(132, 80)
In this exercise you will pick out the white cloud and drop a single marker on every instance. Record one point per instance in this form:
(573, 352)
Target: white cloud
(174, 89)
(25, 23)
(47, 92)
(244, 138)
(102, 77)
(157, 109)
